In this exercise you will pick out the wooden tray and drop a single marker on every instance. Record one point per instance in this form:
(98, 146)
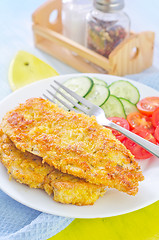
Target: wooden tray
(133, 55)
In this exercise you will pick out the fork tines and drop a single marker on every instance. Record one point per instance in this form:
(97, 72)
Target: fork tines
(76, 96)
(59, 99)
(50, 99)
(72, 99)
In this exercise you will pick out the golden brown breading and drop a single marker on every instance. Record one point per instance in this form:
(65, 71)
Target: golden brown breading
(28, 169)
(73, 143)
(24, 167)
(70, 189)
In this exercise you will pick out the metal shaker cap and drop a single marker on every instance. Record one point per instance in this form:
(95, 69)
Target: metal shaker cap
(109, 5)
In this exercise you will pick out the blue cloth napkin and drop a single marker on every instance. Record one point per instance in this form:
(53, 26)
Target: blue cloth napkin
(19, 222)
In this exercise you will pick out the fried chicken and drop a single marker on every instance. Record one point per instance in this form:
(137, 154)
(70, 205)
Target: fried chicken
(73, 143)
(28, 169)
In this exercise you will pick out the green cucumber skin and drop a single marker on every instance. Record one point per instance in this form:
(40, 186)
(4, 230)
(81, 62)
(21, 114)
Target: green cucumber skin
(97, 102)
(107, 97)
(131, 85)
(132, 106)
(108, 113)
(91, 84)
(99, 82)
(66, 83)
(102, 83)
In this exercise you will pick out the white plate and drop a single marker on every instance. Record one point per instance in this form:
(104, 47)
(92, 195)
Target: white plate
(114, 202)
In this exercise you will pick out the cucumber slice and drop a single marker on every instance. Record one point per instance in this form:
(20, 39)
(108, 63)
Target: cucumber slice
(129, 107)
(113, 107)
(80, 85)
(99, 81)
(98, 94)
(125, 90)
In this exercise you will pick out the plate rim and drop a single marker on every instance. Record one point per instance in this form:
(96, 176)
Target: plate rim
(112, 78)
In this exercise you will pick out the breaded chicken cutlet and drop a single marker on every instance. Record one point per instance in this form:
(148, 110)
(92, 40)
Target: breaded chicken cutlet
(73, 143)
(28, 169)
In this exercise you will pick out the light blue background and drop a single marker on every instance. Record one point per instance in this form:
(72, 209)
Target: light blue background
(16, 34)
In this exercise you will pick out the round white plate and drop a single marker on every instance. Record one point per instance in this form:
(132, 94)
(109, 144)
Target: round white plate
(114, 202)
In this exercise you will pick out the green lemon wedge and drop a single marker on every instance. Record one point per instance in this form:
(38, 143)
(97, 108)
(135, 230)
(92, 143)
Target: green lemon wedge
(26, 68)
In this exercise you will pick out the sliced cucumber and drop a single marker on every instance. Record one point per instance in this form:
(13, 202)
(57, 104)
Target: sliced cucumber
(99, 81)
(113, 107)
(98, 94)
(125, 90)
(80, 85)
(129, 107)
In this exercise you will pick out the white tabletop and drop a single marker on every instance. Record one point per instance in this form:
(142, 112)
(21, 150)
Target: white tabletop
(16, 32)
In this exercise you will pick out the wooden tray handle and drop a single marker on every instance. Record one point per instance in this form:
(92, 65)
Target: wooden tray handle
(133, 55)
(42, 15)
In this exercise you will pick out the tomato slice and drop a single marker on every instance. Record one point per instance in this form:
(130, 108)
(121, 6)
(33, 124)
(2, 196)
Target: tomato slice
(155, 117)
(138, 120)
(157, 133)
(137, 150)
(148, 105)
(121, 122)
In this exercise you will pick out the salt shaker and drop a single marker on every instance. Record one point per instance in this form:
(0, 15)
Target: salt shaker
(106, 26)
(74, 19)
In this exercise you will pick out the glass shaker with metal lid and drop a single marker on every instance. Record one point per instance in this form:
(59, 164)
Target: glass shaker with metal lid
(106, 26)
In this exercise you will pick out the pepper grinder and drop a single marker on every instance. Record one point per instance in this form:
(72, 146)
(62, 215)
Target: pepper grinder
(106, 26)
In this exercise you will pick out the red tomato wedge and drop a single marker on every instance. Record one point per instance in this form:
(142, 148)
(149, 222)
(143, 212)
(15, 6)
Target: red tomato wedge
(157, 133)
(148, 105)
(138, 120)
(137, 150)
(155, 117)
(121, 122)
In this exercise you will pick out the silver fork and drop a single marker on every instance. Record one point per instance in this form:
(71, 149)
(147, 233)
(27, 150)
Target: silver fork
(91, 109)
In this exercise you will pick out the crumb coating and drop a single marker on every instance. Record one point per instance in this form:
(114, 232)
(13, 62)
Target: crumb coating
(28, 169)
(73, 143)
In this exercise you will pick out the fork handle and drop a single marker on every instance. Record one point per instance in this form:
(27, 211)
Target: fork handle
(153, 148)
